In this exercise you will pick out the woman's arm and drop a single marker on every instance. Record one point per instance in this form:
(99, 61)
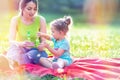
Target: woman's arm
(43, 31)
(13, 30)
(42, 26)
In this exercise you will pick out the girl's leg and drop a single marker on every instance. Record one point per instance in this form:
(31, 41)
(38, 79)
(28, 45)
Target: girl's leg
(15, 54)
(45, 62)
(59, 64)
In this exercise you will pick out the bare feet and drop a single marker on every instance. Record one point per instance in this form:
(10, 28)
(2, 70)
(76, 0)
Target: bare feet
(55, 65)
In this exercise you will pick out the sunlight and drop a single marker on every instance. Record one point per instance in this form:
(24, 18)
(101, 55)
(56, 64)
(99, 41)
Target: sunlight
(7, 10)
(94, 38)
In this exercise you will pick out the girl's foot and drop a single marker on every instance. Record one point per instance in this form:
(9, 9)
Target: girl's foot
(55, 65)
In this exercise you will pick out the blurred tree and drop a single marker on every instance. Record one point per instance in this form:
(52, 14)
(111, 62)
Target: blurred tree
(118, 5)
(64, 6)
(111, 7)
(100, 11)
(13, 5)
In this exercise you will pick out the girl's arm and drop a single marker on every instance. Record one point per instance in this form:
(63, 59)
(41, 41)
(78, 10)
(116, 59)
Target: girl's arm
(55, 52)
(44, 35)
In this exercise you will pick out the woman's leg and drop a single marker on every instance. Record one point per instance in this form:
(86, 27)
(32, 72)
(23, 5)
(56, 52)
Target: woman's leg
(4, 63)
(45, 62)
(15, 53)
(34, 55)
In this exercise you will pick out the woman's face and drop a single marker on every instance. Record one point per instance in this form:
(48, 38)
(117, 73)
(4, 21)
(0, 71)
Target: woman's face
(30, 10)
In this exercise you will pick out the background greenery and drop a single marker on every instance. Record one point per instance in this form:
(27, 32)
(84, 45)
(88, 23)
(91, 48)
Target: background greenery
(85, 40)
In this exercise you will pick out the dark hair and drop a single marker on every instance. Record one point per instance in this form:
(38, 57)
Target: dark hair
(23, 3)
(62, 24)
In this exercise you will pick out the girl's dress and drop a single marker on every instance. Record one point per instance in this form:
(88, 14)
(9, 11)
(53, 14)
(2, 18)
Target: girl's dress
(63, 44)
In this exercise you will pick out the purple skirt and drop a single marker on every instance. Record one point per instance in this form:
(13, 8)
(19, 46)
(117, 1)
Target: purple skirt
(25, 56)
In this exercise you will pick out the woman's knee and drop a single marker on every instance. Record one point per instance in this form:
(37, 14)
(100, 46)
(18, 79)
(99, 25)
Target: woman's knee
(32, 54)
(4, 63)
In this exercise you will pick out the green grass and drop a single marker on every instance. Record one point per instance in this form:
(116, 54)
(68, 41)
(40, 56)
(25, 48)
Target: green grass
(85, 40)
(94, 43)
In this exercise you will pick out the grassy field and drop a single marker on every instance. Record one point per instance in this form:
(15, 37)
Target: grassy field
(85, 40)
(102, 42)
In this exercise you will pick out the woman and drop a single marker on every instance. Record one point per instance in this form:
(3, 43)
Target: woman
(24, 45)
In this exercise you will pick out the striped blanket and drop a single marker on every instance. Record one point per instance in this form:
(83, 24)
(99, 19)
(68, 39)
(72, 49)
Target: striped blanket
(87, 68)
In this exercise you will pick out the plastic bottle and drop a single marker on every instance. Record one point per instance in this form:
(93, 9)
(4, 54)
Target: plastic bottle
(28, 36)
(37, 42)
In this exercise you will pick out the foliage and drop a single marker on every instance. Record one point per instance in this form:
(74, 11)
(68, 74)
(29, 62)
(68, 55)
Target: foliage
(78, 19)
(65, 6)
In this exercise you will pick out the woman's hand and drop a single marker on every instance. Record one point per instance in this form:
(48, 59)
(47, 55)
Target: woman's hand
(27, 44)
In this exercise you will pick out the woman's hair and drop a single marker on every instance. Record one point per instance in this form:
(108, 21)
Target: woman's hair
(23, 3)
(62, 24)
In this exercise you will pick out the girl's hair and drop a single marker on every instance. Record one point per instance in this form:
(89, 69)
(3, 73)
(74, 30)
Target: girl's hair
(23, 4)
(62, 24)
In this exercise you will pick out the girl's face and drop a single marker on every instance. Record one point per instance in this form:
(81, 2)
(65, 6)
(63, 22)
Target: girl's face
(56, 34)
(30, 9)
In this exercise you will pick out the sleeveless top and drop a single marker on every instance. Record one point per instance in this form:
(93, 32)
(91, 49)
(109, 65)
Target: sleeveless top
(32, 29)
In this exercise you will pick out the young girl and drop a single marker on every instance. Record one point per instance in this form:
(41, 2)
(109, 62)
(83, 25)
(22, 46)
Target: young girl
(61, 50)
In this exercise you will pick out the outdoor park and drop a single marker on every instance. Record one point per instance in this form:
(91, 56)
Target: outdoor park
(95, 32)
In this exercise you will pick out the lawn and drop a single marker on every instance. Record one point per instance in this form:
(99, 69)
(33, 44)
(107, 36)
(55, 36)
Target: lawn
(92, 42)
(85, 40)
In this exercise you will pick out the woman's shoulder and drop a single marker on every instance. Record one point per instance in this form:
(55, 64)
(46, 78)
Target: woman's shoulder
(15, 18)
(40, 17)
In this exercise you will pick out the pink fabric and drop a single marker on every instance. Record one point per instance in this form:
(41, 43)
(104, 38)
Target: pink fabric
(90, 69)
(17, 53)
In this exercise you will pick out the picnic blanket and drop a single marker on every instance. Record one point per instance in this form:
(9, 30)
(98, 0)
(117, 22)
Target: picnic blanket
(87, 68)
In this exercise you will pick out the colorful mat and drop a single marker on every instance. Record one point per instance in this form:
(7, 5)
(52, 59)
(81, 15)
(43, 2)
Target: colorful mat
(89, 69)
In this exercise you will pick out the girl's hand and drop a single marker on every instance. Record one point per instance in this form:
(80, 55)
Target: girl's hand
(46, 45)
(40, 34)
(44, 35)
(42, 46)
